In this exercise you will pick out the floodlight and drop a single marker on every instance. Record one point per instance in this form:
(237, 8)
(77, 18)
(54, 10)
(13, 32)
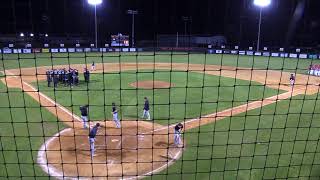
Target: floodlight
(31, 34)
(262, 3)
(46, 35)
(21, 35)
(94, 2)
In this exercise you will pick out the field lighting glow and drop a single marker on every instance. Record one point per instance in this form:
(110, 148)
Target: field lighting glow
(94, 2)
(262, 3)
(21, 35)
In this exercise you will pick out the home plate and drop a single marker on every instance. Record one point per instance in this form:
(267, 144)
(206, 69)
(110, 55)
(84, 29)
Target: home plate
(114, 140)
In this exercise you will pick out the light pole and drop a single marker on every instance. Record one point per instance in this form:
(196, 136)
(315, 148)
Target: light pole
(185, 19)
(95, 3)
(132, 12)
(261, 4)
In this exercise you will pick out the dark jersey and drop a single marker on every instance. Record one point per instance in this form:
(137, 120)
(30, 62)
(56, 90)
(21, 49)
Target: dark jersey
(84, 110)
(146, 105)
(48, 76)
(292, 78)
(114, 110)
(178, 127)
(93, 132)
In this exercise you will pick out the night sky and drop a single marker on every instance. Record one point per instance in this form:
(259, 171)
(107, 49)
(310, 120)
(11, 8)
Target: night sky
(237, 20)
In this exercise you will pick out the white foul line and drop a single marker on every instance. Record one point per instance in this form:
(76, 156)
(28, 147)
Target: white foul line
(46, 97)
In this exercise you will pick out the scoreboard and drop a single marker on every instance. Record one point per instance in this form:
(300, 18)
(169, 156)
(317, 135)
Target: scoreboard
(120, 40)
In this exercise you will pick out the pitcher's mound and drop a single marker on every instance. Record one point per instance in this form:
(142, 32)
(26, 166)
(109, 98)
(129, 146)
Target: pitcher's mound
(136, 150)
(151, 84)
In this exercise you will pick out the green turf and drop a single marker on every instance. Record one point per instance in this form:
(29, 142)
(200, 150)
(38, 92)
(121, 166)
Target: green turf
(192, 95)
(23, 128)
(47, 59)
(278, 141)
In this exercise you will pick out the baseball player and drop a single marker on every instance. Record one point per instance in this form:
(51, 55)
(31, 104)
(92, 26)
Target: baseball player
(84, 115)
(92, 137)
(93, 66)
(177, 134)
(115, 115)
(146, 109)
(292, 80)
(49, 78)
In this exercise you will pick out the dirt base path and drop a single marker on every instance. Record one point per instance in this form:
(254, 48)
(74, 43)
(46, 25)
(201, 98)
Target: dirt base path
(139, 148)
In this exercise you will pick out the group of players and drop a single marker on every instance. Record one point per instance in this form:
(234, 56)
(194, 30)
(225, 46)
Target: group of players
(146, 115)
(67, 77)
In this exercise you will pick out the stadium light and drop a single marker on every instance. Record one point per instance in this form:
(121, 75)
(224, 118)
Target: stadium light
(21, 35)
(95, 3)
(31, 34)
(46, 35)
(261, 4)
(132, 12)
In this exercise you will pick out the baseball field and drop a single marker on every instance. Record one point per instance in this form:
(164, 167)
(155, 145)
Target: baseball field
(241, 117)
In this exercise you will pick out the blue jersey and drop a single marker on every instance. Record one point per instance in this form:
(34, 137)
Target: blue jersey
(146, 105)
(114, 110)
(84, 110)
(93, 132)
(178, 128)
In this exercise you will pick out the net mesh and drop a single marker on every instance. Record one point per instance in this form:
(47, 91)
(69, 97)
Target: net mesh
(241, 117)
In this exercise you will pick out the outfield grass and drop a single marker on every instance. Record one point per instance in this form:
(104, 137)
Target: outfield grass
(258, 62)
(278, 141)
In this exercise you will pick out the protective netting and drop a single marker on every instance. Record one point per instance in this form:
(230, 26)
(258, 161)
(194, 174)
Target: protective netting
(242, 116)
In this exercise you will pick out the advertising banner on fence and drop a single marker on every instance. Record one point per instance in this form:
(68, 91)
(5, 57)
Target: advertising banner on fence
(54, 50)
(283, 54)
(218, 51)
(36, 50)
(234, 52)
(313, 56)
(94, 49)
(17, 51)
(250, 53)
(275, 54)
(242, 52)
(257, 54)
(71, 50)
(63, 50)
(293, 55)
(303, 56)
(87, 49)
(79, 50)
(132, 49)
(7, 51)
(103, 49)
(45, 50)
(27, 51)
(266, 54)
(125, 49)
